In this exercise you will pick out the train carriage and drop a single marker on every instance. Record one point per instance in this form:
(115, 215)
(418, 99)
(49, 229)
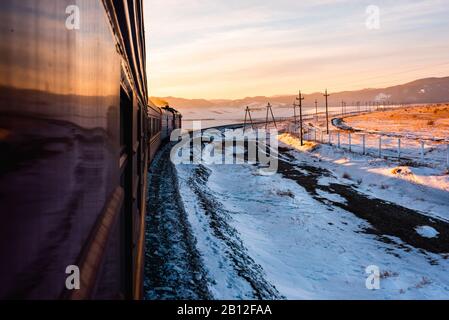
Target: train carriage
(171, 120)
(76, 134)
(154, 129)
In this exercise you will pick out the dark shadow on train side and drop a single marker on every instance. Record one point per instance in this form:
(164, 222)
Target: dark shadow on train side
(76, 136)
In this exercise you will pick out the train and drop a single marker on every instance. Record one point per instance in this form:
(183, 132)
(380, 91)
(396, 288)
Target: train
(77, 134)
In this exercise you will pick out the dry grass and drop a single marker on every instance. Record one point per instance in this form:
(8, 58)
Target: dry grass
(428, 121)
(404, 171)
(294, 142)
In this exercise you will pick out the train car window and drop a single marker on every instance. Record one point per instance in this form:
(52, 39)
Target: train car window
(125, 119)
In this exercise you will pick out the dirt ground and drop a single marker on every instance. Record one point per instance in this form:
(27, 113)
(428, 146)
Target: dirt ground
(430, 121)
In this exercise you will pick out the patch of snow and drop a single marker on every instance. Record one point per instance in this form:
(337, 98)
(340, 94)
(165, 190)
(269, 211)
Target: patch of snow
(331, 196)
(313, 250)
(427, 232)
(419, 188)
(310, 250)
(382, 97)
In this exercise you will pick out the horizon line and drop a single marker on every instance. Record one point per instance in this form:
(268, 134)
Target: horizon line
(286, 94)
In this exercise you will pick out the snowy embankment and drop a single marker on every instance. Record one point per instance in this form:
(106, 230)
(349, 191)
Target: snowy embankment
(303, 234)
(418, 188)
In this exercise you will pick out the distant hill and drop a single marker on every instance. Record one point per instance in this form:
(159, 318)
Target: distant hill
(428, 90)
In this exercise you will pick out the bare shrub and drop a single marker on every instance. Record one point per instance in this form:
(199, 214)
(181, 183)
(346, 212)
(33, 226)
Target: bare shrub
(424, 282)
(388, 274)
(346, 176)
(287, 193)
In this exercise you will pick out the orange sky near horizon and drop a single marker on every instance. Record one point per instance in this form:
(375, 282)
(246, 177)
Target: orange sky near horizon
(215, 49)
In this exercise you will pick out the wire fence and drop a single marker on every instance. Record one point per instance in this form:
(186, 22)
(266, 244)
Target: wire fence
(401, 149)
(381, 145)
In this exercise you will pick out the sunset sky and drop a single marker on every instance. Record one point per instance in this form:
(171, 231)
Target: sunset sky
(238, 48)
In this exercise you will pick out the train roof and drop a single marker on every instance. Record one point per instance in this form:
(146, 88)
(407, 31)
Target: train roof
(166, 108)
(126, 19)
(170, 109)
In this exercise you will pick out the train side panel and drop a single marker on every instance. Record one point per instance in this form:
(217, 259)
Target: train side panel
(73, 142)
(60, 121)
(165, 124)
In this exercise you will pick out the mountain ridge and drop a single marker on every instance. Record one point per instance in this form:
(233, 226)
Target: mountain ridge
(425, 90)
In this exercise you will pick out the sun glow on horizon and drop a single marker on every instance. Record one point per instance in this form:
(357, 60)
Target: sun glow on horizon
(233, 49)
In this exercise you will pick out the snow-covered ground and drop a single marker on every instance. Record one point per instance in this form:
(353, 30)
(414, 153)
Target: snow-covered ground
(217, 116)
(302, 233)
(418, 188)
(419, 134)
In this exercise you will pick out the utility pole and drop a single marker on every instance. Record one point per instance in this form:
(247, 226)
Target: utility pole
(316, 110)
(342, 105)
(299, 98)
(248, 113)
(327, 113)
(272, 116)
(294, 114)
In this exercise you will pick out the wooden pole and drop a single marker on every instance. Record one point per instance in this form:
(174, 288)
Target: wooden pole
(327, 112)
(294, 114)
(299, 99)
(250, 119)
(266, 118)
(363, 143)
(244, 123)
(272, 116)
(447, 156)
(422, 150)
(349, 140)
(380, 146)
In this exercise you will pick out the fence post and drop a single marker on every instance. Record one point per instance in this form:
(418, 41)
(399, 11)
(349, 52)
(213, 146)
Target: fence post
(363, 144)
(314, 130)
(447, 156)
(349, 140)
(338, 139)
(380, 146)
(422, 150)
(399, 149)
